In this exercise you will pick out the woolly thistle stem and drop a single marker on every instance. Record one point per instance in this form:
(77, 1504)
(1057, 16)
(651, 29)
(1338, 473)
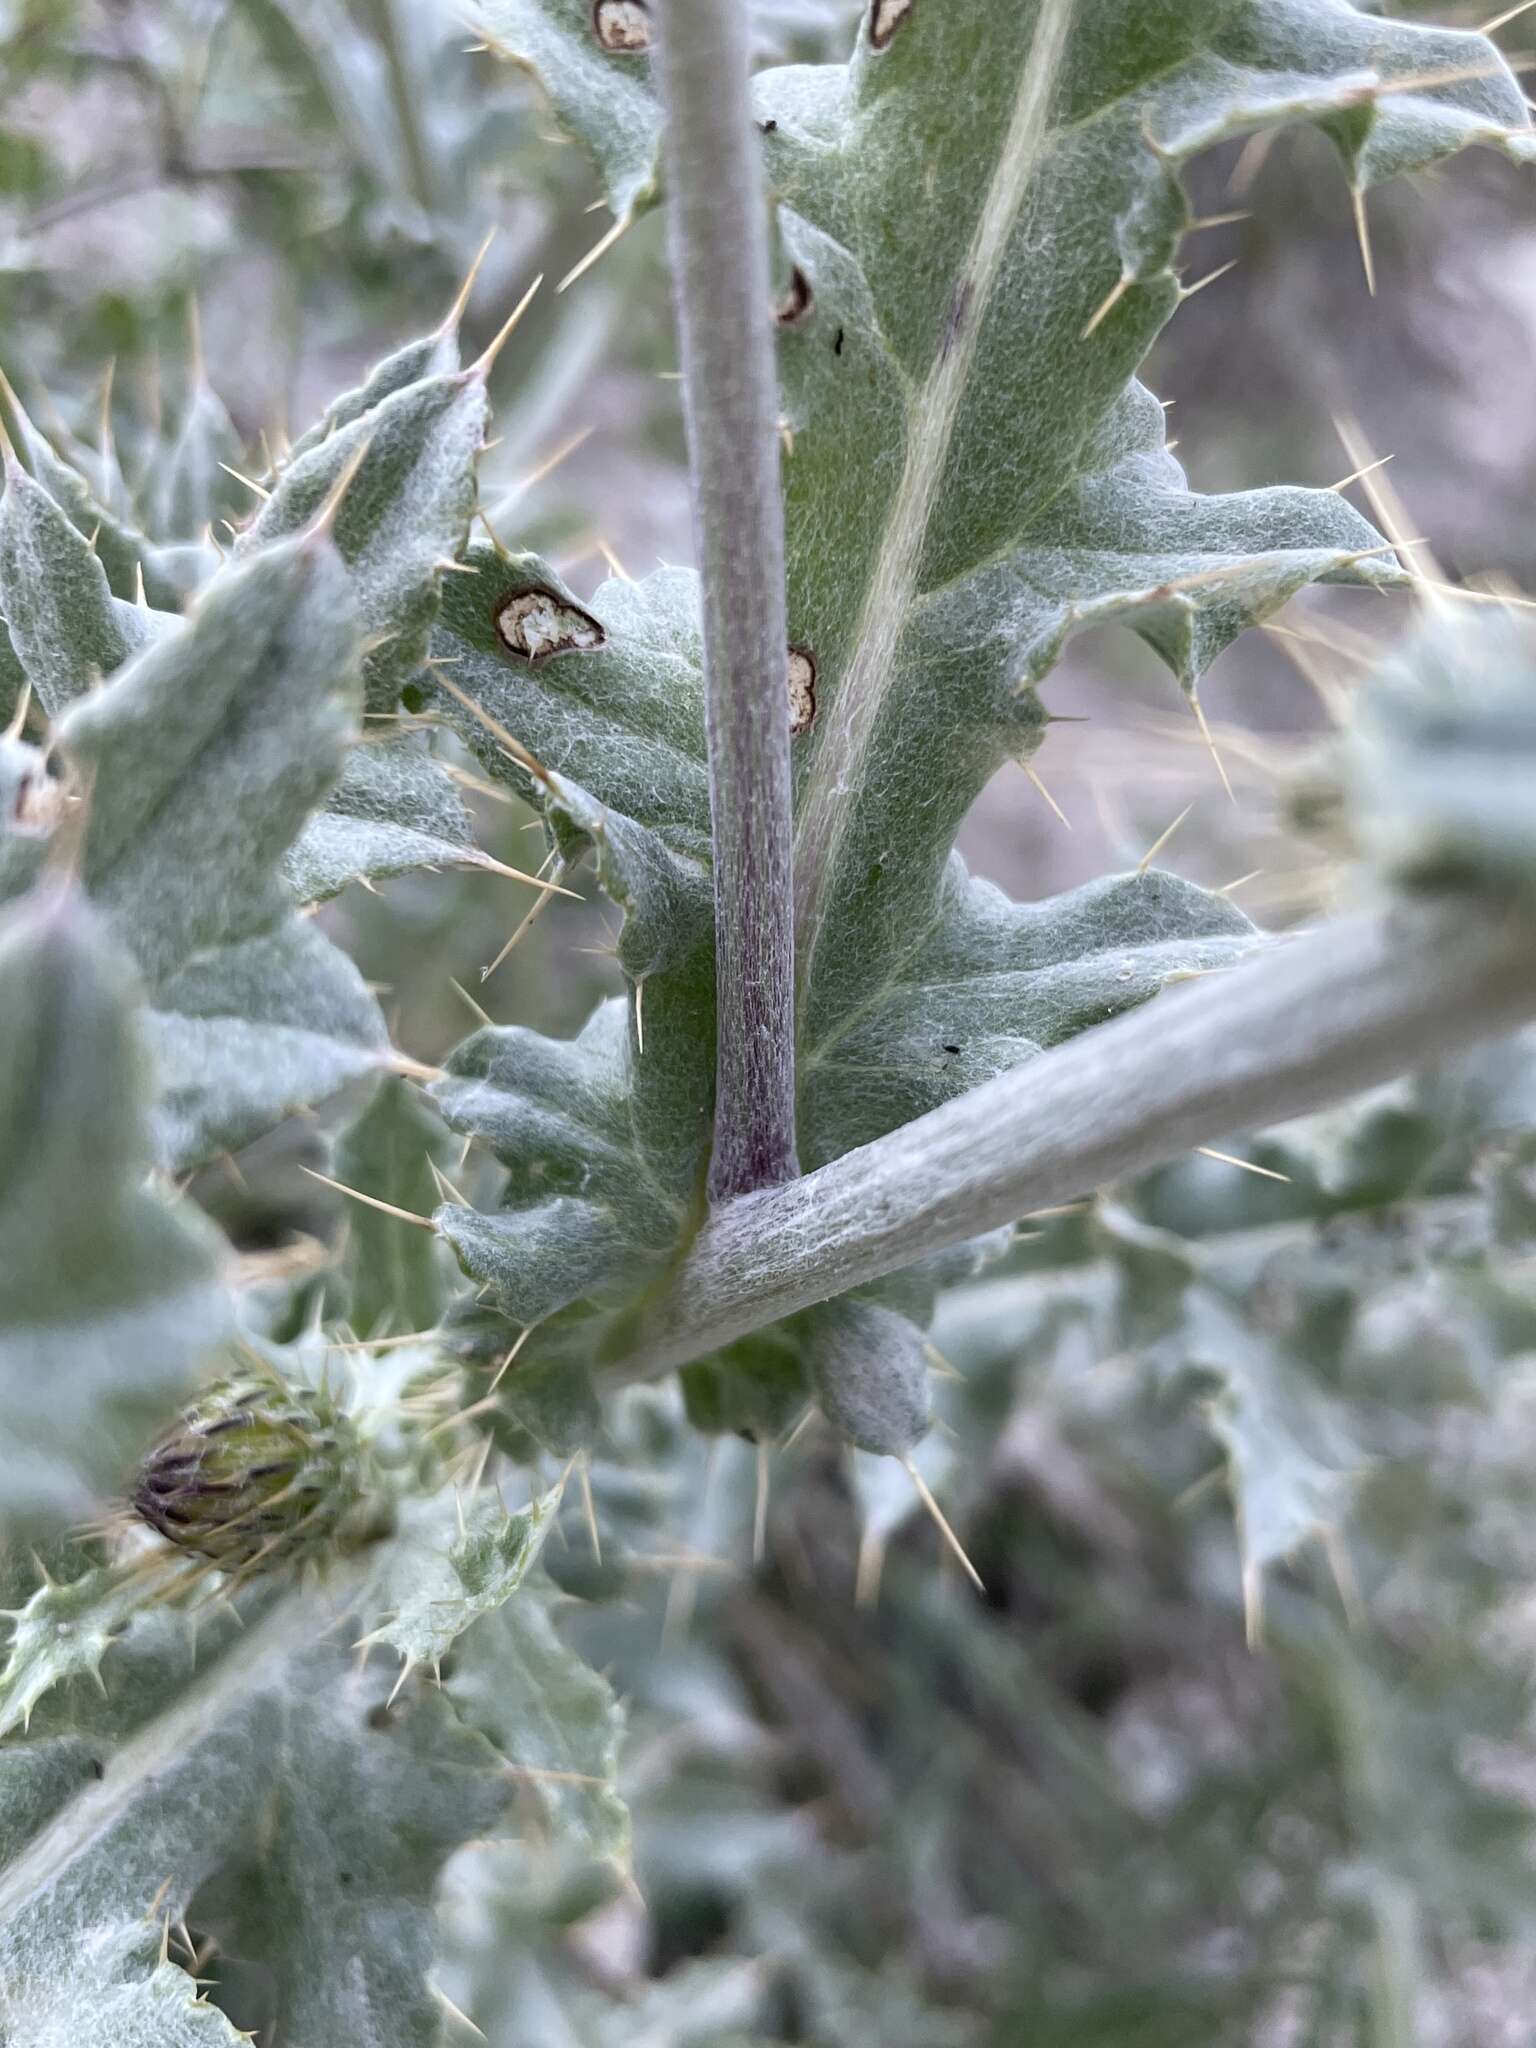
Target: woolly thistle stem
(1303, 1023)
(718, 239)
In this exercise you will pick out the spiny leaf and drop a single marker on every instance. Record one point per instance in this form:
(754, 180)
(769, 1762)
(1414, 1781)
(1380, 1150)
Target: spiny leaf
(591, 62)
(994, 983)
(63, 1632)
(192, 483)
(405, 510)
(393, 811)
(1295, 1462)
(432, 356)
(126, 554)
(283, 1805)
(396, 1272)
(1435, 764)
(247, 1033)
(197, 765)
(619, 710)
(207, 754)
(68, 629)
(107, 1300)
(552, 1717)
(428, 357)
(604, 1137)
(148, 2003)
(974, 471)
(434, 1585)
(868, 1367)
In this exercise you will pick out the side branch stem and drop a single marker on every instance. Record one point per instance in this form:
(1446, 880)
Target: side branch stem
(1305, 1022)
(718, 241)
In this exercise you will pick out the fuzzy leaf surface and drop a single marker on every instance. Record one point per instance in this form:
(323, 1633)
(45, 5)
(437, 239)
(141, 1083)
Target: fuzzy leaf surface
(245, 1034)
(192, 483)
(68, 629)
(435, 1582)
(125, 553)
(207, 754)
(604, 1142)
(306, 1821)
(63, 1632)
(204, 756)
(395, 1270)
(555, 1720)
(393, 811)
(433, 355)
(601, 97)
(1251, 1328)
(108, 1301)
(1435, 766)
(406, 510)
(974, 473)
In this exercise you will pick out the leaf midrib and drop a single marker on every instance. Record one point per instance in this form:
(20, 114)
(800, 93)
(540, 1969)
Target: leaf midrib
(294, 1624)
(856, 712)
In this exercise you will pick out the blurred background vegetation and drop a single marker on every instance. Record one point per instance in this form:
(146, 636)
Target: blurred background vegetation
(870, 1806)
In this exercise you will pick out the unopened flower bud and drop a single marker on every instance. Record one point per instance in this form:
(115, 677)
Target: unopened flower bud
(257, 1474)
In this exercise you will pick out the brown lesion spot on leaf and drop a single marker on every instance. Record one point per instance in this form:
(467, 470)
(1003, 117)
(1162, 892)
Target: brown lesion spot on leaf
(622, 25)
(36, 800)
(536, 623)
(795, 300)
(885, 17)
(802, 691)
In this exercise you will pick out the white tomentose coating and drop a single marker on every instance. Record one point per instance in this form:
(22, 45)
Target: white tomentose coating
(536, 623)
(802, 691)
(623, 24)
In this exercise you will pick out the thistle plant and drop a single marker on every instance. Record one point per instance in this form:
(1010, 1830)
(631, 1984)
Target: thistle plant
(312, 1745)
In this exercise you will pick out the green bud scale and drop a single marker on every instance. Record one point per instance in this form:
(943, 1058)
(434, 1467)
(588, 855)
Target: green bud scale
(256, 1475)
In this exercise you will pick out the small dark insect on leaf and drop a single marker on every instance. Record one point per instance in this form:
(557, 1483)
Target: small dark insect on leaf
(837, 346)
(768, 127)
(952, 1048)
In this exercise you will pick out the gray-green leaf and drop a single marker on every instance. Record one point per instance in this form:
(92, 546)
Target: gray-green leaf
(405, 512)
(598, 83)
(206, 755)
(108, 1301)
(435, 1583)
(395, 1270)
(281, 1801)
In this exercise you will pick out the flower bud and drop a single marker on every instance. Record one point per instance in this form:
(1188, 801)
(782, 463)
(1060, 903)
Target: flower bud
(256, 1475)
